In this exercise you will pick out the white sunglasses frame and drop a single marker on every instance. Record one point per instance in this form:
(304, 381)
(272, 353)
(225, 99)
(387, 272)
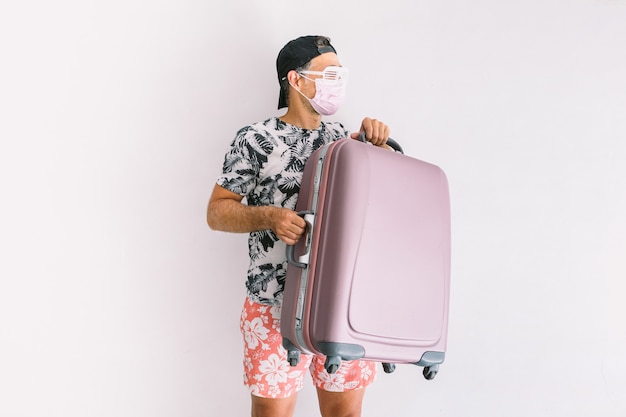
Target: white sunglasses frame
(330, 73)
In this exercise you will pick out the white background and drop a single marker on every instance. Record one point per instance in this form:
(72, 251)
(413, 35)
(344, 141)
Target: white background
(117, 300)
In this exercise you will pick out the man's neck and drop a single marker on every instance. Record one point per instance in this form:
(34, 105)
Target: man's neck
(302, 118)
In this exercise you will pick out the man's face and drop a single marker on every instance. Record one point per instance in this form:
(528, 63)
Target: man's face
(319, 63)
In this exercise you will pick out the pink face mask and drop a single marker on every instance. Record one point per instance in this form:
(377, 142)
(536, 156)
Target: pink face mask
(330, 89)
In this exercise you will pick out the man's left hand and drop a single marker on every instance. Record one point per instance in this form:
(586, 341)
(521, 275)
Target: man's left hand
(376, 132)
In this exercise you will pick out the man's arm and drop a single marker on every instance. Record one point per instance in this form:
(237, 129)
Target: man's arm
(227, 213)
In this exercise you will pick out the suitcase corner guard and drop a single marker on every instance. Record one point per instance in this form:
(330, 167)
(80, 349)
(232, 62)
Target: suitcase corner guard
(431, 361)
(336, 352)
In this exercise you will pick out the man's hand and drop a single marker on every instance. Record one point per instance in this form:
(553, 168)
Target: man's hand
(376, 132)
(287, 225)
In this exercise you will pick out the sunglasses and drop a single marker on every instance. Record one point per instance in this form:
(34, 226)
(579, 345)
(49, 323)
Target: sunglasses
(331, 73)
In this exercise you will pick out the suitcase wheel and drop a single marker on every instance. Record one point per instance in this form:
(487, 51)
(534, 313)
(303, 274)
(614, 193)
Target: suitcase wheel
(293, 356)
(332, 364)
(389, 367)
(430, 372)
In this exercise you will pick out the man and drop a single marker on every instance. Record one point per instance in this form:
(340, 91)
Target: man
(264, 164)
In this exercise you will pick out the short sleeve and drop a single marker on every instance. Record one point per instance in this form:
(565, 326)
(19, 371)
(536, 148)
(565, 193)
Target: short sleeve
(338, 131)
(346, 132)
(240, 170)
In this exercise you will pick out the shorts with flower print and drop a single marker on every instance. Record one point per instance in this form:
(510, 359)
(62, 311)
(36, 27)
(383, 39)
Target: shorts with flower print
(267, 372)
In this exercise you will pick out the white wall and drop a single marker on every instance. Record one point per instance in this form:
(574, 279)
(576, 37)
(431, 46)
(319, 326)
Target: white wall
(117, 300)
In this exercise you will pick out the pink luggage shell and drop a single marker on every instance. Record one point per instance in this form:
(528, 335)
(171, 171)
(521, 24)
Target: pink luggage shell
(371, 277)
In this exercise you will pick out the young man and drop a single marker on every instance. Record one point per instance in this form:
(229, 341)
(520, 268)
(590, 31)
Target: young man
(264, 164)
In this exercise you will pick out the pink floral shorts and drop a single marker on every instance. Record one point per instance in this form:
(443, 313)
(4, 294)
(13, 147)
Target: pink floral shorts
(267, 372)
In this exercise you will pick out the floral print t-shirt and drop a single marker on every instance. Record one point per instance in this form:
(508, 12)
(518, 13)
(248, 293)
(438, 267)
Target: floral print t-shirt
(264, 164)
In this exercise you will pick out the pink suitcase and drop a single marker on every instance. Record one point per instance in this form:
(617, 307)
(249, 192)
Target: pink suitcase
(370, 279)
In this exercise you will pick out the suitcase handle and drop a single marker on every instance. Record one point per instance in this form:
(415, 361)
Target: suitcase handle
(391, 142)
(303, 260)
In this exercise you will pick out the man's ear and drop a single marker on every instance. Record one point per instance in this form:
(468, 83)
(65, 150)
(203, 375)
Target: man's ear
(293, 78)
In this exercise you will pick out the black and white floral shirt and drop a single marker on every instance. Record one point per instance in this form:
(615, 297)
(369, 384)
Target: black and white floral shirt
(264, 164)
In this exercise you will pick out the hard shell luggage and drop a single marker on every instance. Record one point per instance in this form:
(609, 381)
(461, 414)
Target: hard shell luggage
(370, 278)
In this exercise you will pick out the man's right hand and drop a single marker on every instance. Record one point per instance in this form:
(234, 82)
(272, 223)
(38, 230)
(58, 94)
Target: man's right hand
(287, 225)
